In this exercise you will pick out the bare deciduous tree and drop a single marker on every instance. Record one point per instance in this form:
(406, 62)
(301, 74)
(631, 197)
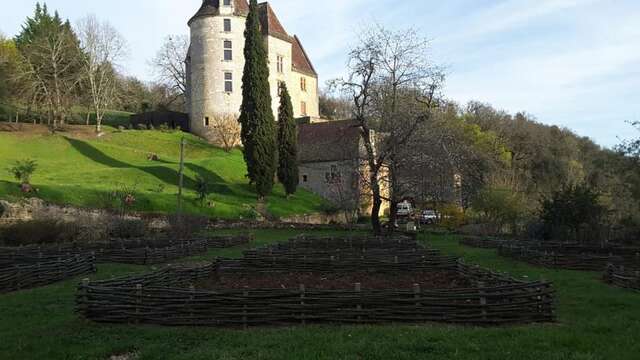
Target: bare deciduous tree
(50, 72)
(169, 63)
(102, 48)
(226, 130)
(394, 86)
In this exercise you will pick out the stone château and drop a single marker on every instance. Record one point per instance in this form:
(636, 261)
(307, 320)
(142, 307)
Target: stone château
(215, 63)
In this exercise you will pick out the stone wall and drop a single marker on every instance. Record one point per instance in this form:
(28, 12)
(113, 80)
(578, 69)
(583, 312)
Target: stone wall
(30, 209)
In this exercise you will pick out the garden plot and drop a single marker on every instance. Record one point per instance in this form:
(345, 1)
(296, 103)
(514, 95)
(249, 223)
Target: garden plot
(293, 285)
(137, 251)
(572, 257)
(29, 272)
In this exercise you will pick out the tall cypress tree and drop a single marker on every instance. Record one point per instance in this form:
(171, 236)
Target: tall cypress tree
(256, 117)
(288, 173)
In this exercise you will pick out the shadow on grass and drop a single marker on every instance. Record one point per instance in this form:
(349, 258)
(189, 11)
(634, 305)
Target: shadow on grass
(162, 173)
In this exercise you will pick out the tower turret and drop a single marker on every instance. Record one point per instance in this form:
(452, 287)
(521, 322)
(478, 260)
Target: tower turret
(215, 62)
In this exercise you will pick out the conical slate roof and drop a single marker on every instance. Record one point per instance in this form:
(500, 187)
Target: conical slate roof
(212, 8)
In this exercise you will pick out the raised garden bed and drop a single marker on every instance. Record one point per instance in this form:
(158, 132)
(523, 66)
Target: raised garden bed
(623, 277)
(26, 273)
(138, 252)
(572, 257)
(483, 242)
(238, 293)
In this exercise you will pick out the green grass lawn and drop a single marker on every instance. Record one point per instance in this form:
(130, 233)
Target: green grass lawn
(112, 118)
(81, 171)
(595, 321)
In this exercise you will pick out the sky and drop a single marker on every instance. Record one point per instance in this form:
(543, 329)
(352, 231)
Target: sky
(571, 63)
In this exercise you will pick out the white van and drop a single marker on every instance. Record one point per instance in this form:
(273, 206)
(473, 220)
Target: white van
(404, 209)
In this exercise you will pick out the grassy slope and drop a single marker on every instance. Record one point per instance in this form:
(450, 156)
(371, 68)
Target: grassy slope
(81, 172)
(595, 322)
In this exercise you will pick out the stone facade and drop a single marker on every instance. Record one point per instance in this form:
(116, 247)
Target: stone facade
(215, 64)
(332, 165)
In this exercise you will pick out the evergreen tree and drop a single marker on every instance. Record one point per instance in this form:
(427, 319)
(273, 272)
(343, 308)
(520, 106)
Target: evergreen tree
(256, 117)
(52, 62)
(287, 144)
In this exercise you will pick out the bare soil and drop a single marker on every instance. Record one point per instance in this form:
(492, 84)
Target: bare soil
(336, 281)
(30, 130)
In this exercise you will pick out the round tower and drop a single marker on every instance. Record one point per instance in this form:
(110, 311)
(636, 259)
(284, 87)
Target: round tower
(216, 62)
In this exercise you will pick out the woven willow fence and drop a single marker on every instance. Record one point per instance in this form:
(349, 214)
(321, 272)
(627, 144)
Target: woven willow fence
(33, 272)
(138, 252)
(483, 242)
(572, 257)
(168, 297)
(623, 277)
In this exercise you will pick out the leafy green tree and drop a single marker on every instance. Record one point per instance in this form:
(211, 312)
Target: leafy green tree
(256, 117)
(9, 62)
(288, 172)
(499, 208)
(574, 207)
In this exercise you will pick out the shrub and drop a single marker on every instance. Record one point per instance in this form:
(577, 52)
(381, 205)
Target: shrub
(203, 189)
(120, 200)
(499, 208)
(46, 231)
(23, 170)
(127, 228)
(142, 126)
(164, 127)
(186, 226)
(452, 216)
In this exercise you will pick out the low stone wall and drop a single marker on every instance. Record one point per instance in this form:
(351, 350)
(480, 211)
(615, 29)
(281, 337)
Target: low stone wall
(29, 209)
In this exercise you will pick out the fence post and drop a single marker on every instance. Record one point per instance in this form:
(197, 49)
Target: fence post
(191, 301)
(138, 302)
(358, 289)
(85, 295)
(483, 300)
(302, 307)
(244, 310)
(416, 296)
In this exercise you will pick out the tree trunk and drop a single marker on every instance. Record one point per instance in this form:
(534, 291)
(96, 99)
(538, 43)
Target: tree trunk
(377, 203)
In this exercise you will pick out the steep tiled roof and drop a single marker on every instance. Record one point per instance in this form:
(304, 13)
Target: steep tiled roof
(329, 141)
(270, 23)
(300, 60)
(212, 8)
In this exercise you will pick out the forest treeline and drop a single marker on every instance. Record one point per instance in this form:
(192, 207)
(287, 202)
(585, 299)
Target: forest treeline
(503, 168)
(54, 72)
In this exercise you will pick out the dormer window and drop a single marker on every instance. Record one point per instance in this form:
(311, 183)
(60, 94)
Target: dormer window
(227, 25)
(226, 3)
